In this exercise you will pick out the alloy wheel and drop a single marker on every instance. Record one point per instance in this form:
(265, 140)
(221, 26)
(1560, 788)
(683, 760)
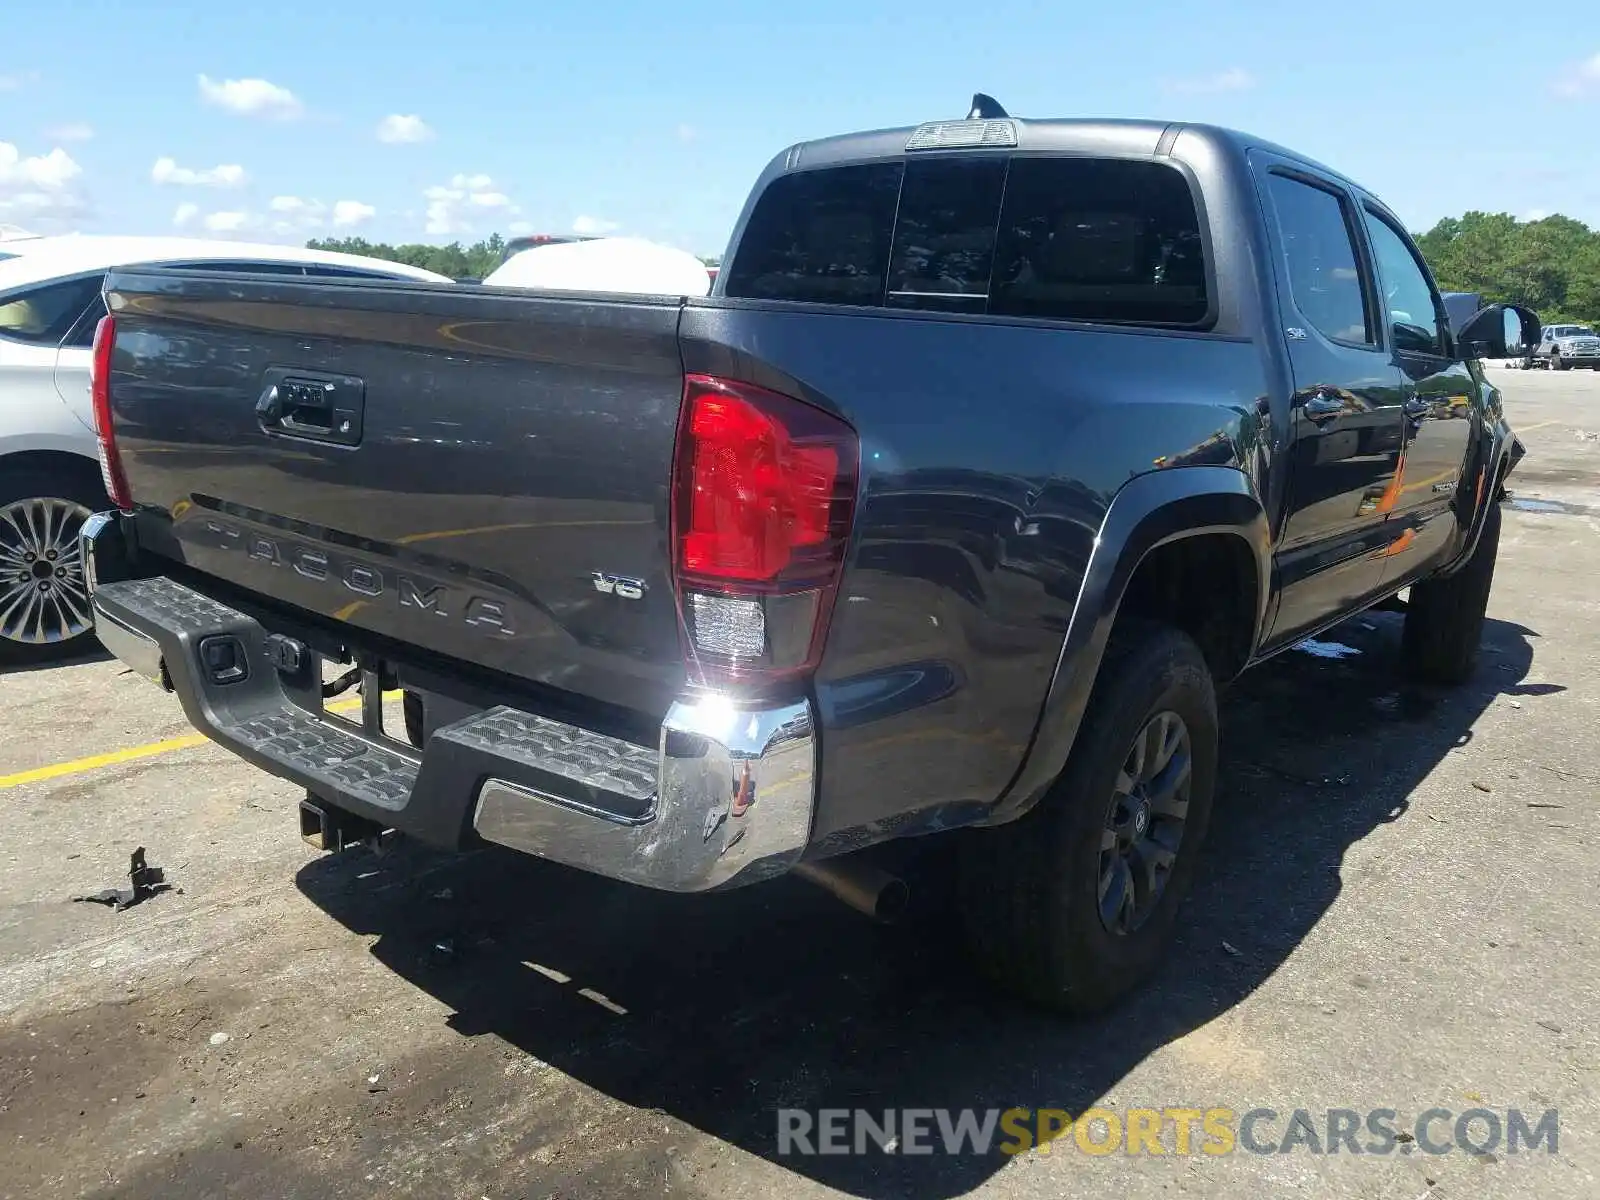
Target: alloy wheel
(1144, 823)
(43, 597)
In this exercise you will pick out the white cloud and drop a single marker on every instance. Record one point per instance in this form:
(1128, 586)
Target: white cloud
(295, 216)
(519, 228)
(227, 222)
(17, 80)
(593, 226)
(75, 132)
(286, 218)
(42, 185)
(1234, 79)
(1535, 214)
(167, 170)
(452, 206)
(251, 97)
(399, 127)
(347, 213)
(687, 133)
(1580, 79)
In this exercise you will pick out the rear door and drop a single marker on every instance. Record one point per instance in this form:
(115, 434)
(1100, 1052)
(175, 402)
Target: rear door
(1438, 398)
(1345, 412)
(34, 321)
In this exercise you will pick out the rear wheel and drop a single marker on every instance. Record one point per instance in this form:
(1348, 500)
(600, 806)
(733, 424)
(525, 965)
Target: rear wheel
(1444, 617)
(44, 601)
(1075, 903)
(411, 708)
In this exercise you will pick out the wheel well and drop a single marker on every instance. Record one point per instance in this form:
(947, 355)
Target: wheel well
(58, 463)
(1206, 585)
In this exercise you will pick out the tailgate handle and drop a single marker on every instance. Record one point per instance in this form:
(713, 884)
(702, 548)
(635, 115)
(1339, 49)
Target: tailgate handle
(312, 406)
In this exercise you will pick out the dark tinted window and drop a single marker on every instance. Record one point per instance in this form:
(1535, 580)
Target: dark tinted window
(256, 267)
(821, 236)
(317, 271)
(1320, 260)
(81, 334)
(944, 234)
(43, 315)
(1079, 239)
(1408, 303)
(1094, 239)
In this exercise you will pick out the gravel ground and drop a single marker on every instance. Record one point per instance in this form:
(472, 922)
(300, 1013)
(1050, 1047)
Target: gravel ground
(1396, 911)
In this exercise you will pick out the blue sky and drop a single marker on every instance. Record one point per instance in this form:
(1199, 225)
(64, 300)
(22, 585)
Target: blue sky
(654, 118)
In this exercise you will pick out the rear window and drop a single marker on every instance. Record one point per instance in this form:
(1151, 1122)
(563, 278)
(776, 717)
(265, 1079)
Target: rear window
(820, 236)
(1081, 239)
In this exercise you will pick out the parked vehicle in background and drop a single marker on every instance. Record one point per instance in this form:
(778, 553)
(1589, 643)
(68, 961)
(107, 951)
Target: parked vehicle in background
(49, 476)
(619, 265)
(999, 446)
(13, 239)
(1564, 347)
(533, 240)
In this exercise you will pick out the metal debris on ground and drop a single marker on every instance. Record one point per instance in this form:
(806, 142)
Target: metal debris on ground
(144, 880)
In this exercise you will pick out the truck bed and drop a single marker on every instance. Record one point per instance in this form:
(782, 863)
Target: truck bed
(515, 444)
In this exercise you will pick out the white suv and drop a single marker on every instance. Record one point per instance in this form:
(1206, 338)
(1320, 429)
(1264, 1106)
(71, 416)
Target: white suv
(49, 474)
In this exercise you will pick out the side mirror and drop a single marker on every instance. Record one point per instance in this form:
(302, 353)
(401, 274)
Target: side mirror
(1498, 331)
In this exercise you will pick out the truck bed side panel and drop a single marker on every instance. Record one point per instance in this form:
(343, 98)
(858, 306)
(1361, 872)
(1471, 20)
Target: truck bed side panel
(990, 454)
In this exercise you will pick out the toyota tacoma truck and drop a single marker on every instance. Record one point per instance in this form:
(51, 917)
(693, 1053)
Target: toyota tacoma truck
(999, 446)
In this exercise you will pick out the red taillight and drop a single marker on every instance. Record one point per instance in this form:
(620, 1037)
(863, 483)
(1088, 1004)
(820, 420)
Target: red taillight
(763, 495)
(111, 473)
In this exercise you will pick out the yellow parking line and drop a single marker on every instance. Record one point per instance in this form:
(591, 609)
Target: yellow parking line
(1531, 428)
(133, 753)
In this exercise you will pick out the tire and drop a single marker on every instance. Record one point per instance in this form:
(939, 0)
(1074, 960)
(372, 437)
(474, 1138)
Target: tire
(41, 511)
(1444, 619)
(411, 708)
(1030, 891)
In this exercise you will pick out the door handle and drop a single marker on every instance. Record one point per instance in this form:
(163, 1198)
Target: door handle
(311, 406)
(1323, 406)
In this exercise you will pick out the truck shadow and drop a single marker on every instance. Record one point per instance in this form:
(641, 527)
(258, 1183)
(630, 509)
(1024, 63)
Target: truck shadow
(737, 1006)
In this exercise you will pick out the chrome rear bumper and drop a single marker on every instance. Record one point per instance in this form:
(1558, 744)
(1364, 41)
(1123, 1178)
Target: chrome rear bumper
(725, 797)
(733, 798)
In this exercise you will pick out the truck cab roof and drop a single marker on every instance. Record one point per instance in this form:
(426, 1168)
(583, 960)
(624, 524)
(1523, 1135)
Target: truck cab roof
(1068, 135)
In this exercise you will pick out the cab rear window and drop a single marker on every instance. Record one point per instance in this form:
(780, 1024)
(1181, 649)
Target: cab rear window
(1081, 239)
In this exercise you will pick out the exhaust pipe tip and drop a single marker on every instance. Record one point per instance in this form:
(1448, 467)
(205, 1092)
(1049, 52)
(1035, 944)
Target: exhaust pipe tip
(868, 889)
(893, 900)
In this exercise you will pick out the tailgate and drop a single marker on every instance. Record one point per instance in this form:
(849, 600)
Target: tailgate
(481, 474)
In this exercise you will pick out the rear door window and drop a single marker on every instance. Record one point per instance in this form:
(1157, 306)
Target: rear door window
(1079, 239)
(42, 315)
(1096, 239)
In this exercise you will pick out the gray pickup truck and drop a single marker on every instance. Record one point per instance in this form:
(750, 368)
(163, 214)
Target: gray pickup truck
(1565, 347)
(999, 446)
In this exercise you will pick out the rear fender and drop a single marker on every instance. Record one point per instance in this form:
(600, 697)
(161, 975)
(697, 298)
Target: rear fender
(1150, 511)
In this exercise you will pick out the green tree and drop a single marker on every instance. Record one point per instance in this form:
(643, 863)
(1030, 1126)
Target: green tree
(1551, 265)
